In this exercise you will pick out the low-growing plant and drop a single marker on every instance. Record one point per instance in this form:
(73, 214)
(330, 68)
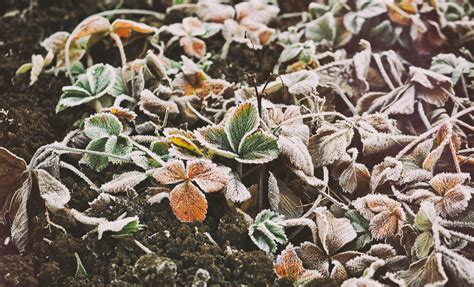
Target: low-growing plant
(368, 149)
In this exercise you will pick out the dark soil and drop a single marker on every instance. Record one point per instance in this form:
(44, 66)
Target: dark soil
(28, 121)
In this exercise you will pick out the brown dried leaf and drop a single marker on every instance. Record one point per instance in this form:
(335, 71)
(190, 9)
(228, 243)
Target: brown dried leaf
(431, 87)
(426, 271)
(388, 170)
(355, 177)
(313, 257)
(297, 152)
(18, 210)
(11, 171)
(333, 232)
(96, 25)
(385, 215)
(330, 143)
(283, 199)
(55, 194)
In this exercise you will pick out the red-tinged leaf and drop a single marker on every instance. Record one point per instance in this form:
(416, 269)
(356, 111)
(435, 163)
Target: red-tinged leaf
(172, 172)
(207, 175)
(288, 265)
(193, 47)
(124, 28)
(188, 203)
(96, 25)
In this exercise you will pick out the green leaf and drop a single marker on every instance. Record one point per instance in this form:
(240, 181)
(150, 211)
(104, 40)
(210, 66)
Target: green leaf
(215, 139)
(80, 270)
(243, 121)
(290, 52)
(102, 125)
(266, 232)
(258, 147)
(98, 81)
(361, 226)
(24, 68)
(96, 162)
(423, 244)
(384, 33)
(118, 145)
(323, 28)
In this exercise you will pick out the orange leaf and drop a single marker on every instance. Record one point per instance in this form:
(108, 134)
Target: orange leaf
(193, 46)
(288, 265)
(188, 203)
(124, 28)
(208, 176)
(172, 172)
(398, 16)
(96, 25)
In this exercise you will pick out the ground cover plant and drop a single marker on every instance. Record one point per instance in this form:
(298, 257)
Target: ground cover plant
(161, 143)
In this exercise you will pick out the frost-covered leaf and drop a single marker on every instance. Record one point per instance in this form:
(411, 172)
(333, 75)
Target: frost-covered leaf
(375, 142)
(98, 81)
(282, 199)
(188, 203)
(313, 257)
(124, 28)
(95, 25)
(455, 196)
(266, 232)
(333, 232)
(123, 226)
(207, 175)
(97, 162)
(118, 145)
(124, 182)
(450, 65)
(361, 226)
(12, 168)
(330, 143)
(388, 170)
(288, 123)
(423, 244)
(257, 148)
(154, 107)
(288, 265)
(18, 210)
(215, 139)
(385, 215)
(301, 83)
(172, 172)
(297, 152)
(459, 270)
(355, 177)
(426, 271)
(431, 87)
(102, 125)
(242, 122)
(362, 281)
(235, 190)
(55, 194)
(328, 29)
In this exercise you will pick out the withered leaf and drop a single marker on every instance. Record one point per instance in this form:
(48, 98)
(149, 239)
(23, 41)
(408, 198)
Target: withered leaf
(55, 194)
(333, 232)
(330, 143)
(282, 199)
(288, 265)
(11, 171)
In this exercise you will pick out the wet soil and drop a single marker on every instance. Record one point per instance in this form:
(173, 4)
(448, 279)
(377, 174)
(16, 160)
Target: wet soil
(28, 121)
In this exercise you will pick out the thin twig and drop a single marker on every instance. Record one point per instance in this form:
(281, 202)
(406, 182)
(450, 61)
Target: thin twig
(434, 129)
(79, 173)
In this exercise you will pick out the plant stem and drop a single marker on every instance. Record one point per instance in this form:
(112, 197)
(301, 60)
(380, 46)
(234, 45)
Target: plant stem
(119, 44)
(148, 152)
(431, 131)
(262, 185)
(80, 174)
(313, 115)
